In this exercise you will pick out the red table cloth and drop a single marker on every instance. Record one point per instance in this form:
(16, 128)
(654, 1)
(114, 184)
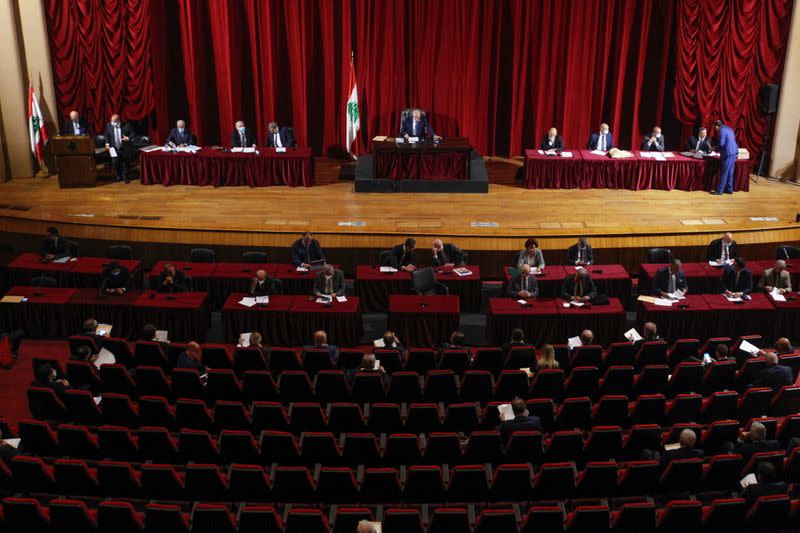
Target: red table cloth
(537, 319)
(211, 167)
(606, 321)
(447, 160)
(787, 316)
(183, 314)
(552, 171)
(234, 277)
(549, 280)
(729, 319)
(106, 309)
(685, 319)
(374, 286)
(677, 172)
(295, 282)
(77, 272)
(423, 321)
(602, 172)
(43, 315)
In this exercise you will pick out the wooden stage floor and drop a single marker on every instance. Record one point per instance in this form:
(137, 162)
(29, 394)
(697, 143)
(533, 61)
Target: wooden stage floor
(239, 216)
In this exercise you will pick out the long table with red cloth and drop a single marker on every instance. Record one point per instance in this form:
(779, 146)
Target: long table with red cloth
(448, 159)
(374, 286)
(76, 272)
(787, 319)
(548, 320)
(612, 280)
(59, 312)
(549, 280)
(423, 320)
(702, 277)
(585, 170)
(292, 320)
(294, 167)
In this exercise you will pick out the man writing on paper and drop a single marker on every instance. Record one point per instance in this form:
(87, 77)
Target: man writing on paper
(654, 142)
(602, 141)
(264, 285)
(669, 280)
(728, 152)
(242, 136)
(118, 136)
(552, 141)
(700, 142)
(578, 287)
(180, 136)
(524, 284)
(329, 282)
(54, 246)
(402, 256)
(306, 250)
(722, 250)
(417, 126)
(737, 281)
(279, 137)
(776, 277)
(580, 253)
(116, 278)
(75, 125)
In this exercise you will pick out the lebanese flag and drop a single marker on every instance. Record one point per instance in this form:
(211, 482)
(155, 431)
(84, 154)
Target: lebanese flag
(36, 127)
(352, 114)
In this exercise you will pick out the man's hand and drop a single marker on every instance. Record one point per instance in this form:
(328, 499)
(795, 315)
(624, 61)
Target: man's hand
(449, 264)
(437, 138)
(304, 265)
(585, 299)
(49, 257)
(409, 268)
(125, 138)
(524, 294)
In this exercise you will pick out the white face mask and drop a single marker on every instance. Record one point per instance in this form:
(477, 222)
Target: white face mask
(115, 124)
(603, 132)
(657, 135)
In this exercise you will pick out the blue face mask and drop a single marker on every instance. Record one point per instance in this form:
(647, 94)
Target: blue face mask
(241, 130)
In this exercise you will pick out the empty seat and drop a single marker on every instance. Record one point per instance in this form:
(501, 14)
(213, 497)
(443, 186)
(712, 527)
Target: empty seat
(81, 407)
(496, 520)
(440, 386)
(156, 444)
(589, 518)
(447, 520)
(306, 521)
(248, 482)
(212, 518)
(635, 516)
(512, 482)
(75, 477)
(163, 517)
(25, 514)
(337, 485)
(554, 480)
(162, 481)
(205, 482)
(198, 445)
(680, 515)
(424, 484)
(331, 386)
(405, 387)
(118, 516)
(381, 485)
(292, 484)
(259, 519)
(155, 411)
(397, 520)
(582, 381)
(222, 385)
(477, 386)
(468, 483)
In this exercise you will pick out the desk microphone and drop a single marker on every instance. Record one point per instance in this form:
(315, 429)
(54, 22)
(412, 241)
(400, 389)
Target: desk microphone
(38, 293)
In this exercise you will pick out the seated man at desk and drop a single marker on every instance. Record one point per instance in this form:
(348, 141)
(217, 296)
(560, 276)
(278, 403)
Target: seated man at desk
(578, 287)
(264, 285)
(54, 246)
(721, 250)
(580, 253)
(116, 279)
(279, 137)
(446, 254)
(180, 135)
(603, 140)
(242, 136)
(306, 250)
(552, 141)
(329, 282)
(737, 281)
(416, 125)
(653, 142)
(776, 277)
(172, 280)
(699, 142)
(669, 280)
(402, 256)
(524, 284)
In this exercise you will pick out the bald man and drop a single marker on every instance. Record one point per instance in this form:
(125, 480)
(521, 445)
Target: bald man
(722, 250)
(446, 254)
(552, 141)
(242, 136)
(191, 358)
(653, 142)
(118, 136)
(180, 135)
(602, 140)
(74, 125)
(265, 285)
(329, 282)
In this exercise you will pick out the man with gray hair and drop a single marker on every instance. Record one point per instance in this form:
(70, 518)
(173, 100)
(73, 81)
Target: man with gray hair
(686, 450)
(755, 441)
(180, 135)
(416, 125)
(776, 277)
(775, 375)
(365, 526)
(280, 137)
(242, 136)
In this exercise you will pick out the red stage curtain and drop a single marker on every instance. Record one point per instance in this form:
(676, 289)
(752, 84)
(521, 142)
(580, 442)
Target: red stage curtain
(500, 72)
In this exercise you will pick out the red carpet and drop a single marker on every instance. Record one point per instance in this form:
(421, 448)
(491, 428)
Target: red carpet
(14, 382)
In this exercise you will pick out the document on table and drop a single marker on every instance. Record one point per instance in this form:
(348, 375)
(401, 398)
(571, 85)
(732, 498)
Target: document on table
(677, 295)
(262, 299)
(541, 152)
(733, 299)
(12, 299)
(659, 157)
(551, 152)
(379, 138)
(413, 139)
(461, 271)
(663, 302)
(113, 152)
(341, 299)
(633, 335)
(777, 296)
(598, 152)
(302, 269)
(574, 342)
(388, 269)
(719, 263)
(648, 299)
(506, 411)
(748, 347)
(249, 150)
(565, 154)
(105, 358)
(577, 304)
(247, 302)
(162, 335)
(150, 148)
(62, 260)
(522, 302)
(280, 150)
(244, 340)
(236, 149)
(324, 299)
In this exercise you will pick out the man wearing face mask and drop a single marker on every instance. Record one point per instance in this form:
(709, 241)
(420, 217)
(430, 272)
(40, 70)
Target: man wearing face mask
(654, 142)
(699, 143)
(180, 135)
(603, 140)
(118, 136)
(552, 141)
(242, 136)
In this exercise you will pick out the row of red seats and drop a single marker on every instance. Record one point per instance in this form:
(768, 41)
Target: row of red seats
(278, 447)
(769, 513)
(414, 484)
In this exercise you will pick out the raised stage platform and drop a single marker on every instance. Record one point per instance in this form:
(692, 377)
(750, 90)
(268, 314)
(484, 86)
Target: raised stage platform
(478, 181)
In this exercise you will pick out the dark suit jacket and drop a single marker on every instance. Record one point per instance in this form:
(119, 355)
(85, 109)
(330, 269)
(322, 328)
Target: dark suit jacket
(594, 138)
(179, 282)
(661, 281)
(506, 347)
(185, 361)
(249, 138)
(337, 283)
(658, 146)
(753, 492)
(120, 281)
(265, 288)
(423, 128)
(333, 351)
(520, 423)
(125, 131)
(728, 280)
(748, 449)
(714, 250)
(399, 257)
(302, 254)
(515, 286)
(568, 288)
(175, 137)
(705, 144)
(684, 452)
(68, 129)
(572, 254)
(450, 253)
(775, 377)
(287, 138)
(558, 143)
(637, 345)
(58, 248)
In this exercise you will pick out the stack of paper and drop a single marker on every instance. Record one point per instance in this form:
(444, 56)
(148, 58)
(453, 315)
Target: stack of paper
(506, 412)
(598, 152)
(577, 304)
(150, 148)
(237, 149)
(379, 138)
(341, 299)
(777, 296)
(633, 335)
(249, 150)
(262, 299)
(324, 299)
(247, 302)
(748, 347)
(388, 269)
(461, 271)
(62, 260)
(302, 269)
(566, 154)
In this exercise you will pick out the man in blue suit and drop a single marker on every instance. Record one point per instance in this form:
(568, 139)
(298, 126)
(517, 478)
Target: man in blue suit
(180, 135)
(601, 141)
(728, 151)
(417, 125)
(279, 137)
(75, 125)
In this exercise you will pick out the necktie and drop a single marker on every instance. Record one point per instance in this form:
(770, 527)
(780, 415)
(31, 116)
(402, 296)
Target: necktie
(698, 144)
(278, 140)
(117, 137)
(580, 254)
(415, 128)
(602, 143)
(671, 283)
(328, 283)
(525, 283)
(241, 136)
(77, 127)
(181, 134)
(724, 252)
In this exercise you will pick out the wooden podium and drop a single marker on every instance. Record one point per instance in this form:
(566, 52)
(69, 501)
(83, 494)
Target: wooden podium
(75, 160)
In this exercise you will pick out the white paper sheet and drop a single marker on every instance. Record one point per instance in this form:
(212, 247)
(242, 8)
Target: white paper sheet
(113, 152)
(249, 150)
(162, 335)
(262, 299)
(341, 299)
(633, 335)
(14, 443)
(541, 152)
(280, 150)
(244, 340)
(62, 260)
(247, 302)
(748, 347)
(302, 269)
(462, 271)
(378, 343)
(777, 296)
(565, 154)
(388, 269)
(574, 342)
(598, 152)
(105, 358)
(733, 299)
(749, 479)
(236, 149)
(506, 411)
(377, 364)
(577, 304)
(324, 299)
(663, 302)
(413, 139)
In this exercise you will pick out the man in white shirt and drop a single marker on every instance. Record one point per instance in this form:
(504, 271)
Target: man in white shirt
(722, 250)
(118, 136)
(74, 125)
(280, 137)
(603, 140)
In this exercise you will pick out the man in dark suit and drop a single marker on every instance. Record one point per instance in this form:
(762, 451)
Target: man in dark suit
(47, 377)
(755, 441)
(74, 125)
(456, 341)
(172, 280)
(522, 421)
(699, 142)
(446, 254)
(180, 135)
(321, 343)
(517, 339)
(306, 250)
(150, 333)
(579, 287)
(191, 358)
(416, 125)
(774, 375)
(242, 136)
(580, 253)
(329, 282)
(90, 330)
(649, 333)
(116, 278)
(603, 140)
(118, 136)
(654, 142)
(767, 485)
(687, 440)
(280, 137)
(552, 141)
(367, 366)
(737, 280)
(776, 277)
(402, 256)
(264, 285)
(721, 250)
(54, 246)
(524, 284)
(670, 279)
